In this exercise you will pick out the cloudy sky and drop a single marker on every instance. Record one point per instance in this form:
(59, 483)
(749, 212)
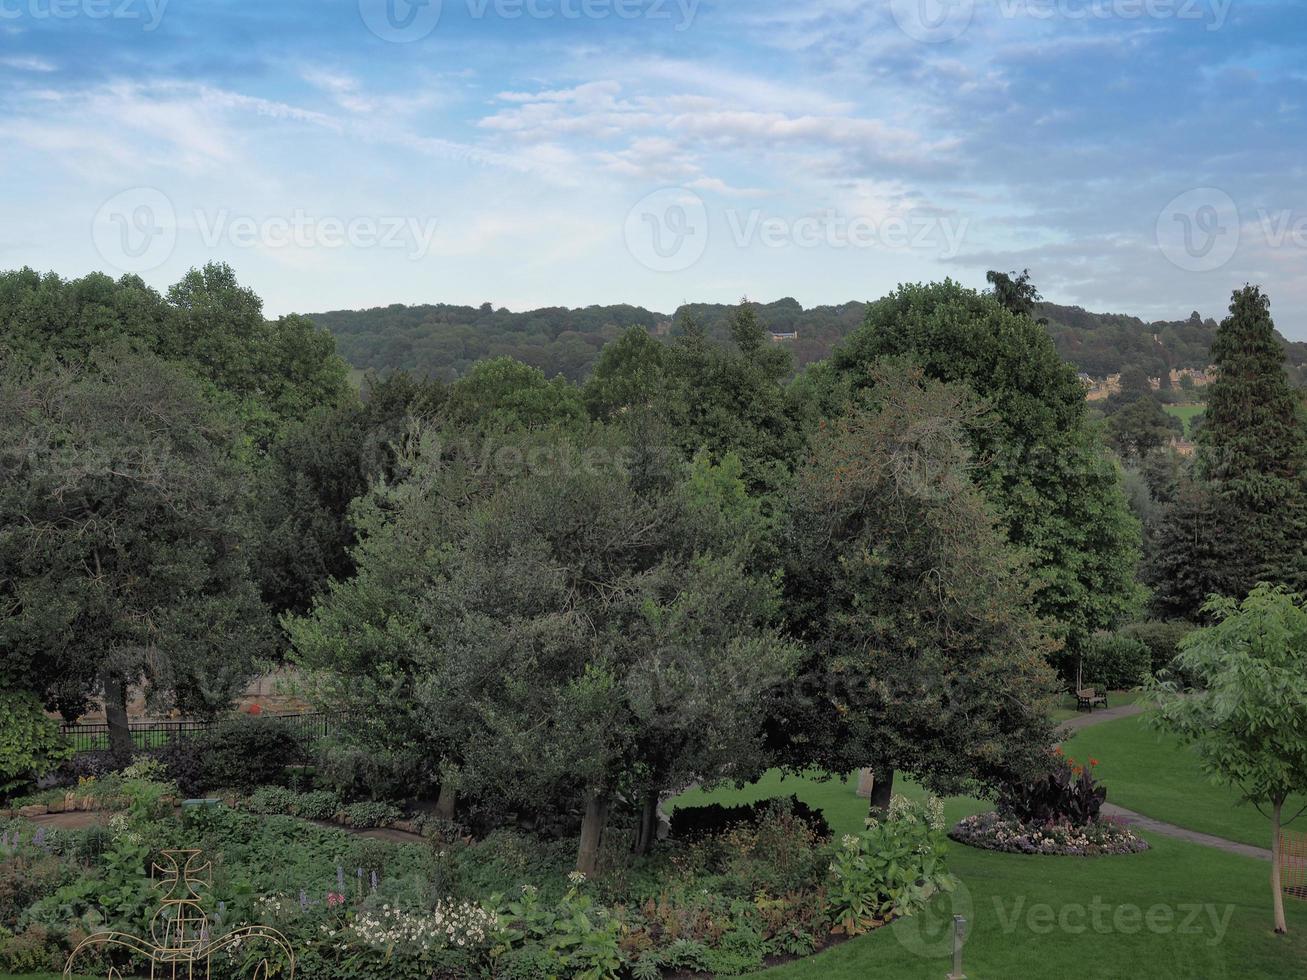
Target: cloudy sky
(1139, 156)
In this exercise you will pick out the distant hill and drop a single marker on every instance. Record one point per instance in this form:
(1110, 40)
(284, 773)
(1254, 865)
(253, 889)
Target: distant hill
(443, 341)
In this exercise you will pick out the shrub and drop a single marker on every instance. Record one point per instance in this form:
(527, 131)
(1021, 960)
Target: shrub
(270, 799)
(183, 760)
(245, 751)
(356, 773)
(891, 869)
(30, 743)
(695, 822)
(780, 855)
(368, 814)
(318, 804)
(1067, 793)
(1162, 638)
(1114, 661)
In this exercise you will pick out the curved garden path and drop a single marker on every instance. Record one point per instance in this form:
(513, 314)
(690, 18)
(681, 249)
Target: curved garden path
(1088, 720)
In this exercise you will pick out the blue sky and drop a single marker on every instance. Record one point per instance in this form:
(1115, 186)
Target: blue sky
(1139, 156)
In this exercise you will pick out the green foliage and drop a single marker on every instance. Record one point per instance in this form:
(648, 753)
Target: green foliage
(576, 937)
(371, 814)
(1115, 662)
(125, 537)
(30, 743)
(925, 653)
(892, 868)
(1247, 716)
(354, 772)
(1142, 427)
(1054, 491)
(1161, 637)
(504, 395)
(245, 751)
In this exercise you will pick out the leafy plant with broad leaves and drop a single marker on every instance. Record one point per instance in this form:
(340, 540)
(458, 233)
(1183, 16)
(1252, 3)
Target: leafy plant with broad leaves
(1068, 793)
(890, 869)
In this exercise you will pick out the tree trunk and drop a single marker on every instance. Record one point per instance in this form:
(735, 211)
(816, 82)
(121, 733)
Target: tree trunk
(447, 801)
(1276, 889)
(882, 788)
(647, 832)
(115, 716)
(592, 834)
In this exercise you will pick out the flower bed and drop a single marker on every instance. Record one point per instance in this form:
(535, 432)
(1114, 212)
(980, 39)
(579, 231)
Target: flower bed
(502, 906)
(994, 832)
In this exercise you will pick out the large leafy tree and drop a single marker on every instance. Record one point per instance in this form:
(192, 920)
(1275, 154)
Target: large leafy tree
(1039, 460)
(713, 397)
(1248, 716)
(267, 372)
(124, 539)
(1141, 428)
(576, 630)
(925, 652)
(316, 468)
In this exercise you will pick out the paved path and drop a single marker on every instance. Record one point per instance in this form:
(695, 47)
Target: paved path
(1088, 719)
(1137, 820)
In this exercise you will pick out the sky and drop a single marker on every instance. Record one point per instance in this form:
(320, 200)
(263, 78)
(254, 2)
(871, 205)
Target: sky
(1138, 156)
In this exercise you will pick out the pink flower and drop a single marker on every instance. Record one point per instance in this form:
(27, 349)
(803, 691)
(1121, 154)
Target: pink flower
(334, 899)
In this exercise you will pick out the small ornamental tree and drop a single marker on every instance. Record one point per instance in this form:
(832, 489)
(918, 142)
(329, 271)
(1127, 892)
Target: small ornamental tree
(1248, 718)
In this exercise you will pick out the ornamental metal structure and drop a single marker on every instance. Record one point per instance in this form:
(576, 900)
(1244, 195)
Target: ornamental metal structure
(180, 946)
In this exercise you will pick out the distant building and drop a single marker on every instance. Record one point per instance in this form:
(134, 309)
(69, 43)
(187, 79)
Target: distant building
(778, 338)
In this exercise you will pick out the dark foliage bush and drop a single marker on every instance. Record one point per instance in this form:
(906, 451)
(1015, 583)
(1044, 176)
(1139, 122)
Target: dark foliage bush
(1115, 662)
(246, 751)
(184, 762)
(1067, 793)
(355, 773)
(693, 822)
(1161, 637)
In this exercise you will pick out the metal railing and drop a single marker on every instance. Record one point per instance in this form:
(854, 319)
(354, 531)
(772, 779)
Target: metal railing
(156, 734)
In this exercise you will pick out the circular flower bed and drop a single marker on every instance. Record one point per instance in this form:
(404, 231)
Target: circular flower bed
(995, 832)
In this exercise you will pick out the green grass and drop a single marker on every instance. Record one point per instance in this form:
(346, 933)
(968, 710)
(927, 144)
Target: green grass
(1003, 892)
(1067, 709)
(1186, 414)
(1154, 775)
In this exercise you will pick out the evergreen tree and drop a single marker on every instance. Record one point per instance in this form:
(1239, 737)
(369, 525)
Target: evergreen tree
(1245, 519)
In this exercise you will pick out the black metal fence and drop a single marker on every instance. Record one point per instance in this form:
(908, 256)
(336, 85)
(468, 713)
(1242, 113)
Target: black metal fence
(94, 736)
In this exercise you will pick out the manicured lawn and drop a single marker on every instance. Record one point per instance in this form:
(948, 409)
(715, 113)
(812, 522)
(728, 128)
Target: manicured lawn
(1156, 776)
(1186, 414)
(1015, 902)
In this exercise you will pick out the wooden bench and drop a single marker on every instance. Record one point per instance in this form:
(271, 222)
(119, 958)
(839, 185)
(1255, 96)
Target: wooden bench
(1088, 697)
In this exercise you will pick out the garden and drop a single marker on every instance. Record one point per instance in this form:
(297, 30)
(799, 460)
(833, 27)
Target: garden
(363, 887)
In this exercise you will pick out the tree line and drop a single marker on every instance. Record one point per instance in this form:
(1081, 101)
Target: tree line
(444, 341)
(691, 567)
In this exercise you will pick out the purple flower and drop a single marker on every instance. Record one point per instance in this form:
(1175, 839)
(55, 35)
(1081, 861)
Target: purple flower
(304, 900)
(340, 877)
(374, 882)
